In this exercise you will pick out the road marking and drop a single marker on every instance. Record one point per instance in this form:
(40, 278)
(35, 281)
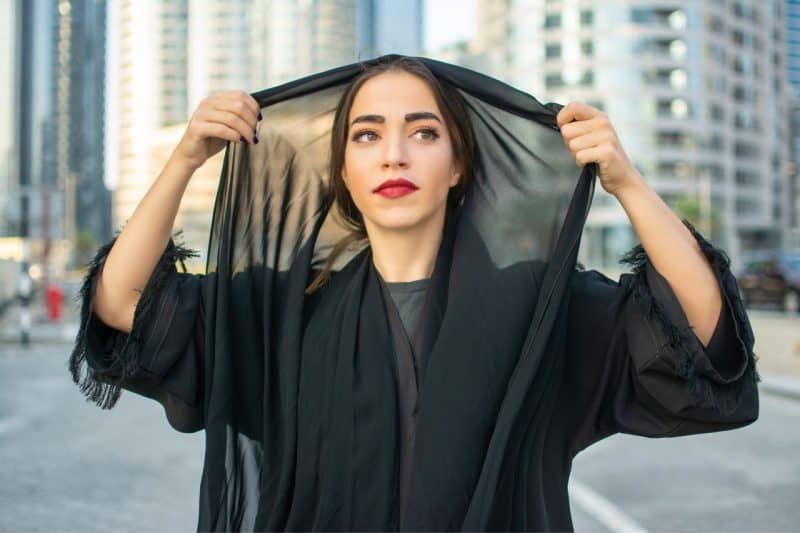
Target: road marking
(8, 425)
(603, 510)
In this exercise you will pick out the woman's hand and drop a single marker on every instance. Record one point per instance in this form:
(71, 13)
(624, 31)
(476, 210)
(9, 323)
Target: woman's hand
(592, 138)
(219, 118)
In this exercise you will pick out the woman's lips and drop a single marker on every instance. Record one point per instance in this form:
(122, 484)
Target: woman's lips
(396, 191)
(396, 188)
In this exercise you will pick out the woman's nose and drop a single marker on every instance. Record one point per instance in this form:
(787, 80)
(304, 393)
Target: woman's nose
(396, 153)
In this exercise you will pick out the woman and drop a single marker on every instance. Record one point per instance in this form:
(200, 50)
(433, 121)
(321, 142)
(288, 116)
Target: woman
(444, 374)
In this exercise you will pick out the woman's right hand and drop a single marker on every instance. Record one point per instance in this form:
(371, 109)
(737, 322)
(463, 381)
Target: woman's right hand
(219, 118)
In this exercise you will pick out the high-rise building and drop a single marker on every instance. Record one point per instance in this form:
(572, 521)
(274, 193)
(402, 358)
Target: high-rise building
(52, 127)
(389, 27)
(793, 44)
(218, 48)
(793, 73)
(695, 91)
(80, 119)
(148, 90)
(294, 38)
(10, 45)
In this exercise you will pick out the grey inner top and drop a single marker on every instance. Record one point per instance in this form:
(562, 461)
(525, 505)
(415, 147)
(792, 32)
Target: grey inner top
(408, 296)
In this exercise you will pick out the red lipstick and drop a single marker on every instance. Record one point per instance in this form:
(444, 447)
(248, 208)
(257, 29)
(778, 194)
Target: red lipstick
(395, 188)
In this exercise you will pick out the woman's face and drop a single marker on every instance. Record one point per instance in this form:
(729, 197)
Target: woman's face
(396, 131)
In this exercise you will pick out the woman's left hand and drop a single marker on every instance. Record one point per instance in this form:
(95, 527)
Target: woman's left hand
(590, 137)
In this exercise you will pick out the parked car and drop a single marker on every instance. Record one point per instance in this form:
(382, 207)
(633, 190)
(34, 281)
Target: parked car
(771, 278)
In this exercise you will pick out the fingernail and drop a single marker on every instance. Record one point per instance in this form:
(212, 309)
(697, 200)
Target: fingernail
(255, 139)
(241, 138)
(259, 115)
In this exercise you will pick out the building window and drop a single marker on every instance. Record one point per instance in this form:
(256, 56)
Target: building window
(587, 17)
(715, 24)
(673, 108)
(674, 169)
(747, 206)
(552, 51)
(716, 112)
(554, 80)
(667, 18)
(747, 177)
(746, 150)
(675, 78)
(674, 139)
(552, 20)
(587, 48)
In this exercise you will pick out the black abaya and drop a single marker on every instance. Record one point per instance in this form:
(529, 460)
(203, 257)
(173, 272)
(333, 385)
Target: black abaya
(524, 359)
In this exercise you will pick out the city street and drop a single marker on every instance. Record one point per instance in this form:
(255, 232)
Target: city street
(70, 466)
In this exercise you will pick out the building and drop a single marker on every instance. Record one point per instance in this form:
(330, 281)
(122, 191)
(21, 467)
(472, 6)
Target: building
(147, 91)
(51, 145)
(793, 74)
(291, 38)
(696, 91)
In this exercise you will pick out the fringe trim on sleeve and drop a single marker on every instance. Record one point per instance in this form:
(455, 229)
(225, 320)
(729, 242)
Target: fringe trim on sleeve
(723, 395)
(104, 388)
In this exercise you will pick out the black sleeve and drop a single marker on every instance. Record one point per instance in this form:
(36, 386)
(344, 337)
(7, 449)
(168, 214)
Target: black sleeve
(162, 357)
(634, 365)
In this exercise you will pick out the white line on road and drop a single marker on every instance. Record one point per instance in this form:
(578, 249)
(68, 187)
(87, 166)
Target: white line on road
(10, 424)
(603, 510)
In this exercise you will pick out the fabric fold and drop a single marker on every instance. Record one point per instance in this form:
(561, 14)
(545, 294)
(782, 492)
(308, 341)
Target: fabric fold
(103, 359)
(681, 350)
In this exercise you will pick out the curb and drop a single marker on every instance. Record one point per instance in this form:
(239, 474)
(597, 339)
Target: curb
(779, 385)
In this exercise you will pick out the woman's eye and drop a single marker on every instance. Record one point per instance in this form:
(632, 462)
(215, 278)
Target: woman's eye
(430, 132)
(360, 134)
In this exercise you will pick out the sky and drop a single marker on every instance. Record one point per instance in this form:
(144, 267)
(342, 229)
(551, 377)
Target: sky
(447, 21)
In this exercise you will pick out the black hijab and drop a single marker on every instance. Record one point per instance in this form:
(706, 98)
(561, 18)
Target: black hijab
(300, 404)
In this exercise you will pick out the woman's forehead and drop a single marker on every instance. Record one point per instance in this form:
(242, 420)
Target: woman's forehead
(393, 95)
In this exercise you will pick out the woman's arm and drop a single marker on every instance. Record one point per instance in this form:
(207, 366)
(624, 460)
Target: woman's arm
(220, 118)
(669, 244)
(675, 254)
(139, 246)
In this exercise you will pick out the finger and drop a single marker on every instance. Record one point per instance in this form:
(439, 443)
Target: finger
(590, 155)
(589, 140)
(231, 120)
(252, 103)
(576, 129)
(239, 105)
(576, 111)
(218, 130)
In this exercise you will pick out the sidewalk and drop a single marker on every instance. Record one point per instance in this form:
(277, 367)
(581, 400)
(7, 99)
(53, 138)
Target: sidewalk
(778, 350)
(43, 330)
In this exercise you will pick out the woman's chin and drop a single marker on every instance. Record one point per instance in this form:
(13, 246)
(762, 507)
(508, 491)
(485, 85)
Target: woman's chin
(398, 222)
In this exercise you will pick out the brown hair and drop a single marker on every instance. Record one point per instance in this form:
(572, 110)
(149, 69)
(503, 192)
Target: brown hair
(456, 119)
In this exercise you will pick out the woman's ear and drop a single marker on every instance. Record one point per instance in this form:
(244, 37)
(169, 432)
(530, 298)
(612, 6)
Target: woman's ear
(454, 179)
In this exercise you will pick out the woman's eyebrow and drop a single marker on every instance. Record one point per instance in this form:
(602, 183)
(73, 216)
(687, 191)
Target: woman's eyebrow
(410, 117)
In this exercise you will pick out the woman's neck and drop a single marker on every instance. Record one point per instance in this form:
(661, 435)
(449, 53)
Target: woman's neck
(407, 255)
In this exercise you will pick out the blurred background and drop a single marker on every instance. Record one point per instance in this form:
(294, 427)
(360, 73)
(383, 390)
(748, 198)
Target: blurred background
(94, 96)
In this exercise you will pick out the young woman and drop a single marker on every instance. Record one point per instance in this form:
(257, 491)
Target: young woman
(426, 355)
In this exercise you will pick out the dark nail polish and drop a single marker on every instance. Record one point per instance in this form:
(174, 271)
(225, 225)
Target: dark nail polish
(241, 138)
(259, 115)
(255, 139)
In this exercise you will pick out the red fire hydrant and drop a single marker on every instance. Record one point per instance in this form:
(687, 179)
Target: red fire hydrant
(55, 301)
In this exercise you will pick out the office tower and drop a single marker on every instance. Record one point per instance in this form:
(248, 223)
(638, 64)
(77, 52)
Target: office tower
(147, 91)
(291, 38)
(696, 91)
(793, 74)
(52, 143)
